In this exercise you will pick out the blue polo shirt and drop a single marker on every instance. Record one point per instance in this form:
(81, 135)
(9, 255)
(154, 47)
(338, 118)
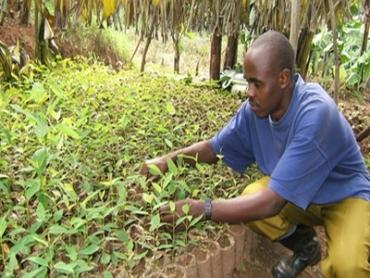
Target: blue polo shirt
(311, 153)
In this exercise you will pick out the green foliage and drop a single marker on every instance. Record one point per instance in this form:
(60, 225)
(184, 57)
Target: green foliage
(72, 143)
(355, 68)
(13, 62)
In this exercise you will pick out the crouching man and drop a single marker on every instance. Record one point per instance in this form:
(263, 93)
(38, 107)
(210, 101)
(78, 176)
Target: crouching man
(314, 171)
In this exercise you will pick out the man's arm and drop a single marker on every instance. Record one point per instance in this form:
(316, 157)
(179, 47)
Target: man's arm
(202, 151)
(262, 204)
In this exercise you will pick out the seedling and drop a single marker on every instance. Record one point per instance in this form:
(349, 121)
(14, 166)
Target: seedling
(72, 142)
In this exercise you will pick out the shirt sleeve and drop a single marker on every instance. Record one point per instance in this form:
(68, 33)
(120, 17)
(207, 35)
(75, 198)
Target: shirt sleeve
(233, 143)
(310, 156)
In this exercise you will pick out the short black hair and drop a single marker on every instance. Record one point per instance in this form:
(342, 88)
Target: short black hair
(279, 48)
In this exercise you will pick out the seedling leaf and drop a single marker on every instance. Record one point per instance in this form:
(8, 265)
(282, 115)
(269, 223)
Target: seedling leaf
(168, 143)
(155, 223)
(154, 170)
(38, 272)
(107, 274)
(185, 209)
(65, 268)
(57, 229)
(3, 226)
(172, 206)
(38, 260)
(91, 249)
(170, 108)
(172, 167)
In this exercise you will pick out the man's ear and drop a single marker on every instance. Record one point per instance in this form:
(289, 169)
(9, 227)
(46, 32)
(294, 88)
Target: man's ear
(284, 78)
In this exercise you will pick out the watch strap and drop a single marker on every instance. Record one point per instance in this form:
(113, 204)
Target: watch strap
(208, 209)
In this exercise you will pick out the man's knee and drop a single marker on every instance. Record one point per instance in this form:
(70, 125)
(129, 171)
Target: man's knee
(256, 186)
(273, 227)
(345, 263)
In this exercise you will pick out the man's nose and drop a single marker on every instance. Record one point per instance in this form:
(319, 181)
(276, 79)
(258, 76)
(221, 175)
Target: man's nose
(250, 91)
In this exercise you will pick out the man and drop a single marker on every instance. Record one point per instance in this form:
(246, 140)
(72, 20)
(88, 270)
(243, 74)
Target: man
(315, 174)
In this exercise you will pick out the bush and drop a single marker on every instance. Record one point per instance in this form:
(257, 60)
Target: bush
(107, 45)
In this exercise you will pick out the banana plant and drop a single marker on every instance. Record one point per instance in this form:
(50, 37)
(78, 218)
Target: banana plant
(3, 11)
(6, 61)
(13, 60)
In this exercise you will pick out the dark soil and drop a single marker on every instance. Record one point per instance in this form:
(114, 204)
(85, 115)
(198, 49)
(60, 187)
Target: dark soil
(358, 116)
(12, 32)
(69, 46)
(224, 241)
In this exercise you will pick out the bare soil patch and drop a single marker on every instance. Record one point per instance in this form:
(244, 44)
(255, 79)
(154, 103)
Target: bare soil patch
(12, 32)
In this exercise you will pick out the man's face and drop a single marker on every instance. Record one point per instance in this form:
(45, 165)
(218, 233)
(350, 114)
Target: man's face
(264, 88)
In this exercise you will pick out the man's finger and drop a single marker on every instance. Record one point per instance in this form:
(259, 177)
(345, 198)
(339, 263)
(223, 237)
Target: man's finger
(164, 209)
(144, 171)
(168, 218)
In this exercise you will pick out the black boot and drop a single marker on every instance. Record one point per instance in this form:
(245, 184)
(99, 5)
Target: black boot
(307, 251)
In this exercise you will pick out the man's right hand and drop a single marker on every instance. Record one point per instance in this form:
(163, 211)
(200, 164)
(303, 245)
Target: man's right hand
(160, 162)
(202, 151)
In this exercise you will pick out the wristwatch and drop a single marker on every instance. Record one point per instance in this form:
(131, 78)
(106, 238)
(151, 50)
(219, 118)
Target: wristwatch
(208, 209)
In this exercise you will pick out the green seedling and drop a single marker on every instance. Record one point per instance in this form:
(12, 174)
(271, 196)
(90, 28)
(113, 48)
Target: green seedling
(72, 142)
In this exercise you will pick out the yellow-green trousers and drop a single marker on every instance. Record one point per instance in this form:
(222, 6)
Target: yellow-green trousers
(347, 227)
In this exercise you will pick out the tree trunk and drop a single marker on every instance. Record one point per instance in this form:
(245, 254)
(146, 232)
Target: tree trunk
(295, 25)
(334, 30)
(61, 15)
(90, 11)
(305, 43)
(25, 12)
(147, 44)
(363, 134)
(115, 22)
(197, 68)
(366, 28)
(176, 45)
(99, 20)
(304, 49)
(215, 63)
(37, 46)
(366, 34)
(2, 17)
(137, 46)
(231, 51)
(324, 64)
(3, 11)
(191, 14)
